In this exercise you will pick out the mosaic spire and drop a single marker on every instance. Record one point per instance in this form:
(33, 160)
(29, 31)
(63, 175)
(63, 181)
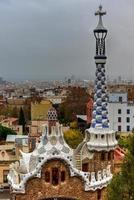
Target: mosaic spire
(100, 113)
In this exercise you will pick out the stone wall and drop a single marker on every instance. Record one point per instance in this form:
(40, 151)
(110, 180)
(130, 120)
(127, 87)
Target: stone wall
(100, 161)
(72, 187)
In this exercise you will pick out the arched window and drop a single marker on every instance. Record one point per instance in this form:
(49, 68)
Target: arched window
(47, 176)
(109, 155)
(55, 176)
(62, 176)
(103, 156)
(99, 195)
(85, 167)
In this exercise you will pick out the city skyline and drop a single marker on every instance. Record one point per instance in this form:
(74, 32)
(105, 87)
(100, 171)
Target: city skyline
(48, 40)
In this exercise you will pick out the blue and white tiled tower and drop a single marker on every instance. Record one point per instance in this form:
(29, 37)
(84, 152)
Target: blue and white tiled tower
(101, 137)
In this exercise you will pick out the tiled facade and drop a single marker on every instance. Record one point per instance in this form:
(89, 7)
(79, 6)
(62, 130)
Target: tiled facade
(71, 187)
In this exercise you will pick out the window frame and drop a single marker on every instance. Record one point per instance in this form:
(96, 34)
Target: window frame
(128, 119)
(120, 99)
(85, 167)
(128, 111)
(119, 111)
(103, 156)
(99, 194)
(128, 128)
(119, 128)
(55, 176)
(62, 176)
(119, 119)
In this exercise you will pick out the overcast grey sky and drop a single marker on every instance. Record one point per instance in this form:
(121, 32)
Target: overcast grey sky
(43, 39)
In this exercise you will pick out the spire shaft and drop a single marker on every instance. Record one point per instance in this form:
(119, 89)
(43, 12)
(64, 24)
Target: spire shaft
(102, 138)
(100, 118)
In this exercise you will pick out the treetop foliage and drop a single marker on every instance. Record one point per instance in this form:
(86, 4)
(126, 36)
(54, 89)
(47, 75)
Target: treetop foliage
(122, 185)
(4, 131)
(75, 103)
(73, 137)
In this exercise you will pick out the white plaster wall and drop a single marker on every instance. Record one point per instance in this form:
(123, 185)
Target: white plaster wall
(113, 115)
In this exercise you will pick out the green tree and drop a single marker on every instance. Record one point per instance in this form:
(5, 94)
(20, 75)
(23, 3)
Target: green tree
(14, 112)
(22, 120)
(75, 103)
(27, 112)
(122, 185)
(4, 131)
(73, 137)
(123, 142)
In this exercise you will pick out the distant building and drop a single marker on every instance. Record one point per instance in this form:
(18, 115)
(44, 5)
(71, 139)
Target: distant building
(16, 102)
(12, 123)
(39, 110)
(20, 142)
(10, 153)
(121, 112)
(7, 156)
(55, 100)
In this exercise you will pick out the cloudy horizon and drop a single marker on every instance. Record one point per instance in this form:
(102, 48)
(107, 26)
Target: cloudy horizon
(48, 39)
